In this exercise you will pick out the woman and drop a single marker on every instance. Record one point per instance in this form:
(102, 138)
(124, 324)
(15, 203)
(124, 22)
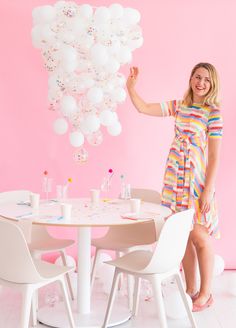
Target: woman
(191, 169)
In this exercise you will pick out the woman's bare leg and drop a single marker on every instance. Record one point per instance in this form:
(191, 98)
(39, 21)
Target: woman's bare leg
(190, 267)
(205, 255)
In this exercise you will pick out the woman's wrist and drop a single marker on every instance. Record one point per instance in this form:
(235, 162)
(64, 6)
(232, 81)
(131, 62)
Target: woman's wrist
(208, 189)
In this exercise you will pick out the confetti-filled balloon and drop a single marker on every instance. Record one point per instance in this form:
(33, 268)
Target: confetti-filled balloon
(83, 49)
(95, 139)
(81, 156)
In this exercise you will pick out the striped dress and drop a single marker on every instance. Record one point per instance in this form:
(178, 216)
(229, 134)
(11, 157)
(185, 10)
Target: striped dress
(186, 164)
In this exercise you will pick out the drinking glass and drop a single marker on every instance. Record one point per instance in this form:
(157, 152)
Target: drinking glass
(47, 187)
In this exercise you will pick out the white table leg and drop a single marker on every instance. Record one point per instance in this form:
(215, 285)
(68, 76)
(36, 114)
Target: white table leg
(85, 315)
(84, 268)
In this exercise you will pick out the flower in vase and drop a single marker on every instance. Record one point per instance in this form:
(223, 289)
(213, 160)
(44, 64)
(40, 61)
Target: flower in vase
(45, 173)
(69, 180)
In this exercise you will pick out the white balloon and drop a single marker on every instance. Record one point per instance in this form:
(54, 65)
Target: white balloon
(68, 54)
(60, 126)
(86, 79)
(112, 65)
(47, 35)
(91, 123)
(219, 265)
(95, 95)
(95, 139)
(69, 66)
(78, 25)
(118, 94)
(86, 11)
(125, 55)
(76, 139)
(36, 36)
(98, 54)
(115, 47)
(36, 14)
(174, 305)
(60, 4)
(101, 15)
(48, 13)
(54, 95)
(115, 129)
(134, 44)
(107, 118)
(70, 261)
(68, 105)
(66, 36)
(131, 16)
(116, 11)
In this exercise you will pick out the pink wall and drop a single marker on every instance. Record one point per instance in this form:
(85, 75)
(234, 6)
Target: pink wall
(177, 35)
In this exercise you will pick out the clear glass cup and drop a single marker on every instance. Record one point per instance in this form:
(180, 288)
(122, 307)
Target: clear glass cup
(105, 186)
(47, 187)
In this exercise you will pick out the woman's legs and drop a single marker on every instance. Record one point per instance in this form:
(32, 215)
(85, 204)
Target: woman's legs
(201, 241)
(190, 268)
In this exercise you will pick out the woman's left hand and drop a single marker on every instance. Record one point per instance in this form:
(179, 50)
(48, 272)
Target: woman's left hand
(205, 200)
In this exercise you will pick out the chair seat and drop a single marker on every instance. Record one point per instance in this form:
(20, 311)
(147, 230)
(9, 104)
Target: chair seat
(114, 245)
(50, 244)
(48, 270)
(136, 261)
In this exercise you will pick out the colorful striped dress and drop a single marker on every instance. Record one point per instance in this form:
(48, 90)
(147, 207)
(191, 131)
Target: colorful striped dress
(186, 164)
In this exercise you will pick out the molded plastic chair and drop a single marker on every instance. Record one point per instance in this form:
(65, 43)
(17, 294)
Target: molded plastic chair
(158, 265)
(20, 271)
(122, 239)
(41, 241)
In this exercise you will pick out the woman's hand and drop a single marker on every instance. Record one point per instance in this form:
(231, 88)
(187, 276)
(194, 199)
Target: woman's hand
(205, 200)
(132, 78)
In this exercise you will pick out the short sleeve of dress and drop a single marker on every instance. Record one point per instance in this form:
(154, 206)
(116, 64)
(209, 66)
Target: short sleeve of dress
(169, 108)
(215, 124)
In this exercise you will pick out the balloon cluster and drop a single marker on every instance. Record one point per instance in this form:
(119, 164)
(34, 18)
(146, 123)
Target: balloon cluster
(83, 49)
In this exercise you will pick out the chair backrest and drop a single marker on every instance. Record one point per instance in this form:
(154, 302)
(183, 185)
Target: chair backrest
(14, 195)
(138, 234)
(172, 242)
(16, 264)
(147, 195)
(17, 196)
(37, 232)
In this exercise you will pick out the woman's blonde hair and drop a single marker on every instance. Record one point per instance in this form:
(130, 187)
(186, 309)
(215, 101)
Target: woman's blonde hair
(212, 96)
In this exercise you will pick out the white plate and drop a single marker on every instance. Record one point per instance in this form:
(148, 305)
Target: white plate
(140, 216)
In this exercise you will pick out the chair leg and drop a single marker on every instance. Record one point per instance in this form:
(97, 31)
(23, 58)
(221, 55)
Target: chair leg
(63, 256)
(130, 285)
(34, 305)
(26, 306)
(94, 268)
(136, 296)
(184, 298)
(36, 255)
(121, 280)
(111, 297)
(156, 283)
(67, 302)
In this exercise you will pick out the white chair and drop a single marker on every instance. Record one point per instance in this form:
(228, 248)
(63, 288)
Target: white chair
(20, 271)
(158, 265)
(41, 241)
(122, 239)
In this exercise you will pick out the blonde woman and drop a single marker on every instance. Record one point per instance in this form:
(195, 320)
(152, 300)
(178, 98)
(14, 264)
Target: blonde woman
(191, 169)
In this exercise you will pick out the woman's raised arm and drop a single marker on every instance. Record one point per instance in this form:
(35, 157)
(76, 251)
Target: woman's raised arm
(153, 109)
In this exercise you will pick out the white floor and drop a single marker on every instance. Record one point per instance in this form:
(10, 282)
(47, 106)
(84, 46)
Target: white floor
(221, 315)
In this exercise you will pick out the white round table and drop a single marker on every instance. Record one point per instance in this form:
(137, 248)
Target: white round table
(84, 217)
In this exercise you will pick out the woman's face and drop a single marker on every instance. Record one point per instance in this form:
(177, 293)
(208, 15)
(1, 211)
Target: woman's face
(200, 83)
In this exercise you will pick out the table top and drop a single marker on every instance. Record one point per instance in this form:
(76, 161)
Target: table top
(84, 214)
